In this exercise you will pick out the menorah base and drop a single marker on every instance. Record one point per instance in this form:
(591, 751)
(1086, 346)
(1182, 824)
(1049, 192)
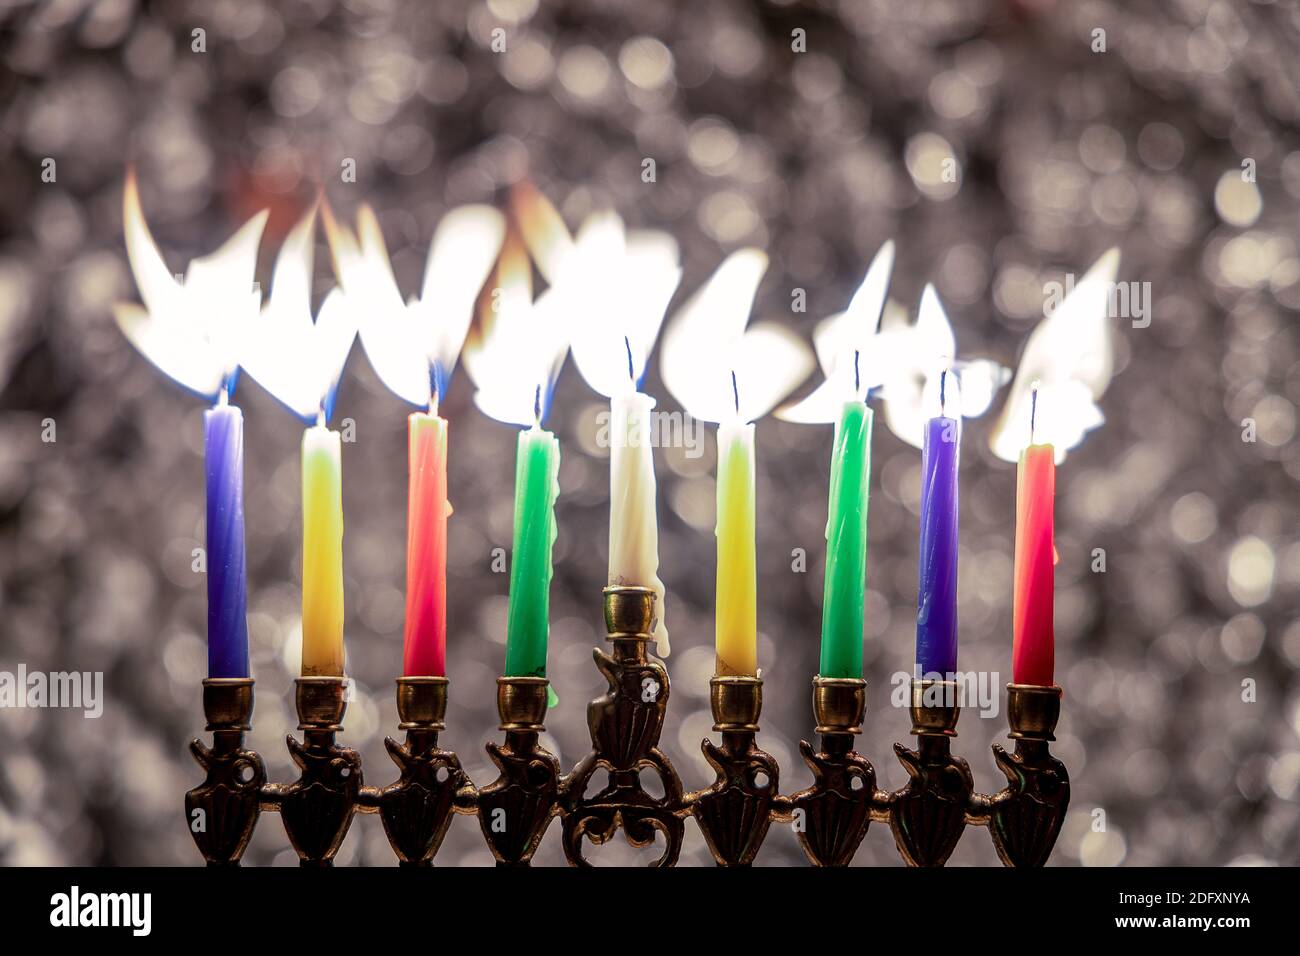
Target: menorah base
(927, 817)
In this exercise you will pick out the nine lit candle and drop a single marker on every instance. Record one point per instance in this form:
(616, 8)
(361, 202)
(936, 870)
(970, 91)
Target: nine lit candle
(850, 361)
(461, 254)
(307, 388)
(514, 357)
(605, 263)
(518, 355)
(191, 329)
(720, 371)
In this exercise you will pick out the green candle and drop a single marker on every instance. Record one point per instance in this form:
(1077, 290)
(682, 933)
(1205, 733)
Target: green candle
(537, 469)
(846, 543)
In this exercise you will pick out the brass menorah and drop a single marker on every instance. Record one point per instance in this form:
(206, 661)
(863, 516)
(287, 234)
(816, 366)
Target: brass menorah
(927, 816)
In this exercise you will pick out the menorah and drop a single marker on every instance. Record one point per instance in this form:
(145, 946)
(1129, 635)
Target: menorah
(927, 816)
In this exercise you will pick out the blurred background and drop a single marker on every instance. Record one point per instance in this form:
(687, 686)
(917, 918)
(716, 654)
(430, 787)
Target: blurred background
(1063, 150)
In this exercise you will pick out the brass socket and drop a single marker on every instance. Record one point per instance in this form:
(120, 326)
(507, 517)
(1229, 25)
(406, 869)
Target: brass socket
(839, 704)
(321, 702)
(934, 707)
(737, 703)
(1033, 711)
(228, 703)
(521, 703)
(422, 703)
(630, 613)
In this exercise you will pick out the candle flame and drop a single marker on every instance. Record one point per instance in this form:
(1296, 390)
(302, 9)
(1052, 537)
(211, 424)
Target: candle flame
(871, 346)
(190, 330)
(922, 365)
(716, 367)
(847, 348)
(297, 360)
(615, 287)
(414, 345)
(543, 230)
(516, 346)
(1070, 356)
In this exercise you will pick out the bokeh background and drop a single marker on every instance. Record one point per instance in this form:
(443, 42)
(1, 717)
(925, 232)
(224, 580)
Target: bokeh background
(818, 157)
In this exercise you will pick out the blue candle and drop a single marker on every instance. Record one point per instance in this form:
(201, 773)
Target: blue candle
(936, 613)
(223, 445)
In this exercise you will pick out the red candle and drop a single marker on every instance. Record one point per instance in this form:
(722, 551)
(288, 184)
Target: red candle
(1031, 656)
(426, 548)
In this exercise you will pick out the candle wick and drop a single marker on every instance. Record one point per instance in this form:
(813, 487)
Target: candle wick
(1033, 411)
(943, 389)
(857, 372)
(735, 390)
(320, 415)
(223, 397)
(433, 399)
(631, 371)
(537, 406)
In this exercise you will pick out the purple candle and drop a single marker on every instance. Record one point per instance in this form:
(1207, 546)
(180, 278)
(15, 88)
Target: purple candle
(223, 428)
(936, 613)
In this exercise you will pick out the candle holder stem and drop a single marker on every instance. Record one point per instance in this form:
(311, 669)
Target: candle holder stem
(317, 808)
(625, 723)
(1025, 817)
(222, 811)
(515, 809)
(831, 817)
(416, 809)
(735, 812)
(928, 816)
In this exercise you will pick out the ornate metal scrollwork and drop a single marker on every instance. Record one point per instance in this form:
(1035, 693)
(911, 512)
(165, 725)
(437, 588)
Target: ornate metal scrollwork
(625, 724)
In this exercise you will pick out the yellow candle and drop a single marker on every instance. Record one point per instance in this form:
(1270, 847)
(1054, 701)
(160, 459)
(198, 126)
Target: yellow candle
(736, 626)
(322, 553)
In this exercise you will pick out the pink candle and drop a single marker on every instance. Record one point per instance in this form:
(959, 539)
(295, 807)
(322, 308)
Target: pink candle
(425, 652)
(1032, 651)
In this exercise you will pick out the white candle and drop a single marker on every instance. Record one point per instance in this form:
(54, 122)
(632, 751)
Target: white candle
(633, 522)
